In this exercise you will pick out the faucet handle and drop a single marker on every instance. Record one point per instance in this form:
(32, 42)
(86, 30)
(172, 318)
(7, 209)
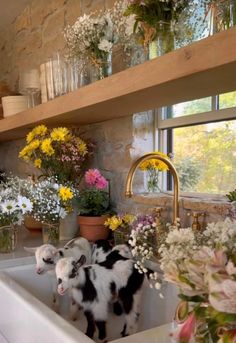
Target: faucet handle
(157, 211)
(196, 215)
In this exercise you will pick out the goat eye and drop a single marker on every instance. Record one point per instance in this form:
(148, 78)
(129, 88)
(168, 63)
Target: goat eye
(73, 273)
(48, 261)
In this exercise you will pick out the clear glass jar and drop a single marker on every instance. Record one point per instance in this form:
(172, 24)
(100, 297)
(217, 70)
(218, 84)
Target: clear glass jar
(101, 68)
(8, 238)
(50, 233)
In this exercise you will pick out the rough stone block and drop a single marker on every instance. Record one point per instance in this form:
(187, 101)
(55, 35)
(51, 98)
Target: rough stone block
(41, 9)
(23, 21)
(89, 6)
(72, 11)
(53, 26)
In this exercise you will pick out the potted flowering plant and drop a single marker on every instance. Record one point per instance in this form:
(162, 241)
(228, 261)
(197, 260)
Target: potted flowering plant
(56, 152)
(52, 202)
(202, 265)
(94, 206)
(121, 226)
(13, 207)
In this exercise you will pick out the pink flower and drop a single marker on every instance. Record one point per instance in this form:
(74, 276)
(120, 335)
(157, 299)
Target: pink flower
(101, 183)
(92, 176)
(186, 332)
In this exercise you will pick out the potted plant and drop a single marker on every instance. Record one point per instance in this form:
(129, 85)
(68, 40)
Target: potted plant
(94, 206)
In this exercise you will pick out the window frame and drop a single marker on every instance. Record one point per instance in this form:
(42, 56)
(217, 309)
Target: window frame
(163, 139)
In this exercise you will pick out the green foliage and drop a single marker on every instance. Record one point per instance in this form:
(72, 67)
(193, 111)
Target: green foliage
(94, 202)
(189, 173)
(231, 196)
(212, 146)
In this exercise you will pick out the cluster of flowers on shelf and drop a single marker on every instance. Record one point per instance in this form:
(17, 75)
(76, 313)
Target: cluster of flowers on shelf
(132, 23)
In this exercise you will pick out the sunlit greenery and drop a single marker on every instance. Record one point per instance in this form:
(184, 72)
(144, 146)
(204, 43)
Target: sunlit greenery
(209, 148)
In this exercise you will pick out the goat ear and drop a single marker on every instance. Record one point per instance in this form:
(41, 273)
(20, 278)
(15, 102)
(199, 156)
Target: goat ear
(32, 250)
(81, 261)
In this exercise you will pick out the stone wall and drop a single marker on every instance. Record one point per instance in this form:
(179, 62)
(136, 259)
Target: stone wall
(37, 32)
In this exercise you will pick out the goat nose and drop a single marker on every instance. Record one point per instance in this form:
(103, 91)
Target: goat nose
(39, 271)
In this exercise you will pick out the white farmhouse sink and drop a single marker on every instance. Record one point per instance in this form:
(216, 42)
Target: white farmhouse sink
(26, 316)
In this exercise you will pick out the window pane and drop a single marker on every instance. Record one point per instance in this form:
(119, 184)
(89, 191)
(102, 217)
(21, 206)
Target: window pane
(227, 100)
(205, 157)
(189, 107)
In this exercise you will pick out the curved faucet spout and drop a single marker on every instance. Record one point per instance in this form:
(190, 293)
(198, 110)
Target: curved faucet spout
(153, 155)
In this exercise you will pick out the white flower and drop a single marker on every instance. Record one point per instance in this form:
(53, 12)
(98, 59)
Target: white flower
(24, 204)
(9, 206)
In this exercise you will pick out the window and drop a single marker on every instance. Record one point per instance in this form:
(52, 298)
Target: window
(201, 134)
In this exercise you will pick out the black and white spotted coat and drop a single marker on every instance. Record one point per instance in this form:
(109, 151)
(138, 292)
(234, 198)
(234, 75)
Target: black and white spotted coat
(95, 286)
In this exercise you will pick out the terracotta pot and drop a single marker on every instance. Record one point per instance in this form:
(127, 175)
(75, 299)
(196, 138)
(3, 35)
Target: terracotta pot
(92, 228)
(32, 224)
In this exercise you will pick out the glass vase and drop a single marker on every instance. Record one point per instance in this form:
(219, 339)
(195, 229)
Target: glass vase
(101, 67)
(8, 238)
(163, 43)
(50, 233)
(152, 181)
(121, 236)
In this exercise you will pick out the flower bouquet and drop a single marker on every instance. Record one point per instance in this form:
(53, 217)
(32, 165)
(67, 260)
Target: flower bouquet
(92, 38)
(13, 207)
(121, 227)
(52, 201)
(56, 152)
(153, 167)
(157, 20)
(94, 206)
(144, 240)
(203, 266)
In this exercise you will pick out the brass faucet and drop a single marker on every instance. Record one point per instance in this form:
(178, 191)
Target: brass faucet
(154, 155)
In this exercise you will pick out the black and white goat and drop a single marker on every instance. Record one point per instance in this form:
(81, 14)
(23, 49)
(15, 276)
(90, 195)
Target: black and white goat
(46, 258)
(93, 287)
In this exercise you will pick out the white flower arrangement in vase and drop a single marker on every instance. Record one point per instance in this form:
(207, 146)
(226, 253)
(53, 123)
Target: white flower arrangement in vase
(13, 207)
(92, 38)
(51, 203)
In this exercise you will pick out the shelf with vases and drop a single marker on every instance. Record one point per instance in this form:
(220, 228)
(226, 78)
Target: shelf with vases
(204, 68)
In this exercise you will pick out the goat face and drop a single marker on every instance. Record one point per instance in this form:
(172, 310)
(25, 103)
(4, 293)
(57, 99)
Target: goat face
(66, 273)
(45, 258)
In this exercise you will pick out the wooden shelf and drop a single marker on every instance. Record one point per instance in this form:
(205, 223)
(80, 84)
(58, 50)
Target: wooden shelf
(204, 68)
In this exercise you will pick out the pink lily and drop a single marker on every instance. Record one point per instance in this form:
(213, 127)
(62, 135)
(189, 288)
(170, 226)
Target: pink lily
(186, 331)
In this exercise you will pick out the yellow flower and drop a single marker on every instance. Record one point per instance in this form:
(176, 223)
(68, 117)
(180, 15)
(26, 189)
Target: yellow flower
(34, 145)
(38, 163)
(113, 223)
(155, 163)
(59, 134)
(82, 147)
(129, 218)
(65, 193)
(46, 147)
(30, 137)
(40, 130)
(25, 153)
